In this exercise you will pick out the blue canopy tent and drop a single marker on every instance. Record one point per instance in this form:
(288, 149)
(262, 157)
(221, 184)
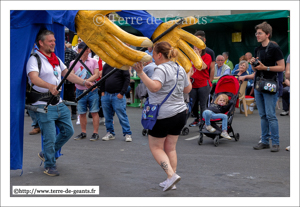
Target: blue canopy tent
(24, 28)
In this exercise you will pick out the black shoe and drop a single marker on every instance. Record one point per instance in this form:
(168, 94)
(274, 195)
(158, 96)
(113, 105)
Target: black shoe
(82, 135)
(275, 148)
(261, 146)
(51, 171)
(73, 117)
(94, 137)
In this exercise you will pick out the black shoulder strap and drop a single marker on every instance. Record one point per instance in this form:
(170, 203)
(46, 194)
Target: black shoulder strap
(38, 59)
(39, 62)
(59, 60)
(86, 67)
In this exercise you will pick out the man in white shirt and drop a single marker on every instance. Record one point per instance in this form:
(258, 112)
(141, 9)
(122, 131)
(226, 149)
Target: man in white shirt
(45, 80)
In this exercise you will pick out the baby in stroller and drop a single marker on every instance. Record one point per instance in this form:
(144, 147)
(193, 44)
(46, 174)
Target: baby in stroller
(229, 86)
(216, 110)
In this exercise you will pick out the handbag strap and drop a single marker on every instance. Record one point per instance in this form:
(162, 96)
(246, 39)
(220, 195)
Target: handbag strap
(172, 88)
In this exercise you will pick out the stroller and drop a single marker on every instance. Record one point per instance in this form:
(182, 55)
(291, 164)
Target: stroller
(229, 85)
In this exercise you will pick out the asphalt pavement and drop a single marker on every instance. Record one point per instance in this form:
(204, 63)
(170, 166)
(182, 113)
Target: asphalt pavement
(128, 169)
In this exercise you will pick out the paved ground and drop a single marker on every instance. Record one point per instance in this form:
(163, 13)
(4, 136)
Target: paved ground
(121, 169)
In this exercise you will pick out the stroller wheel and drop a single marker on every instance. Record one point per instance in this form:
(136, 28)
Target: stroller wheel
(237, 137)
(216, 141)
(145, 132)
(200, 141)
(185, 131)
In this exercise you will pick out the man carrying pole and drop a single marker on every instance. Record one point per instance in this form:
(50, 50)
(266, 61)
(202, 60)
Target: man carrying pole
(44, 81)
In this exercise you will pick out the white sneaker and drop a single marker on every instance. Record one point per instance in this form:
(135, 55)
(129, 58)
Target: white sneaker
(163, 184)
(171, 182)
(102, 120)
(225, 135)
(284, 113)
(287, 148)
(108, 136)
(210, 128)
(78, 120)
(128, 138)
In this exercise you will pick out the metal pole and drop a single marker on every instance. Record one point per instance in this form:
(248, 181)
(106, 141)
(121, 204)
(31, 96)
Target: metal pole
(34, 108)
(65, 77)
(96, 84)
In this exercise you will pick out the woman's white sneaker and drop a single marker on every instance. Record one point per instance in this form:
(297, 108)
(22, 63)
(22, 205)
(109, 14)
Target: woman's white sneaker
(163, 184)
(170, 182)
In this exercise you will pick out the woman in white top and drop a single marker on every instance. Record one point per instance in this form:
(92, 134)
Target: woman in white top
(172, 114)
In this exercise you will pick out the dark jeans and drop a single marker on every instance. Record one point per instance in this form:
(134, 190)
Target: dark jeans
(111, 103)
(69, 95)
(286, 98)
(266, 105)
(200, 95)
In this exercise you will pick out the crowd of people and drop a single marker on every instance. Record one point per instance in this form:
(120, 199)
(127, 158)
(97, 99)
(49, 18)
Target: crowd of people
(157, 78)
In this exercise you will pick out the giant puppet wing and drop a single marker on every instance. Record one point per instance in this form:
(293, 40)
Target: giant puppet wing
(25, 25)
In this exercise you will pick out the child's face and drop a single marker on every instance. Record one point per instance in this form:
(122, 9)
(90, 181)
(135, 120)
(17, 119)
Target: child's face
(221, 101)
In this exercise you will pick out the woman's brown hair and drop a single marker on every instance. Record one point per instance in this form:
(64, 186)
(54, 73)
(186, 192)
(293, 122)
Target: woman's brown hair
(166, 50)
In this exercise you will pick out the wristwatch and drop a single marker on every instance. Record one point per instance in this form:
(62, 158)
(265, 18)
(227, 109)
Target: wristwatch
(268, 68)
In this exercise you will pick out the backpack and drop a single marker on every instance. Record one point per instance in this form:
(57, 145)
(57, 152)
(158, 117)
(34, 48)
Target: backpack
(39, 62)
(33, 95)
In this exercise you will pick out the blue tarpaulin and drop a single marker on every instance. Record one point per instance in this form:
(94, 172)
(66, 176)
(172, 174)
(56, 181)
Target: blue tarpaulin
(25, 26)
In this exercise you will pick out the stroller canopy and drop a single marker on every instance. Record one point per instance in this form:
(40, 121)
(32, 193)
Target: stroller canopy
(227, 84)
